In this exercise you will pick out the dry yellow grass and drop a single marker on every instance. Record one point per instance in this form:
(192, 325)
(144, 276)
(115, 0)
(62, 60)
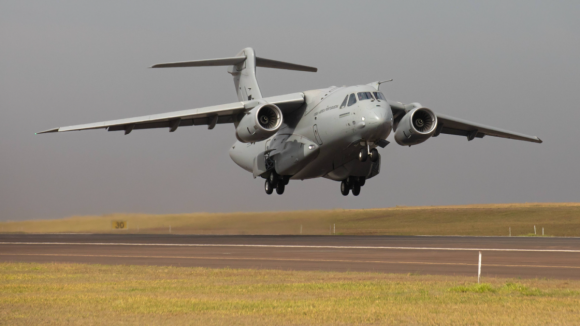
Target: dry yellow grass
(71, 294)
(558, 219)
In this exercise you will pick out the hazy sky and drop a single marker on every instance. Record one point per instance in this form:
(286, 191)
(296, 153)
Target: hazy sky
(513, 65)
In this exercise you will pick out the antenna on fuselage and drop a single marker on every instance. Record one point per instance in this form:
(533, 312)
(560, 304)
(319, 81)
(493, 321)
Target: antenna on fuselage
(377, 84)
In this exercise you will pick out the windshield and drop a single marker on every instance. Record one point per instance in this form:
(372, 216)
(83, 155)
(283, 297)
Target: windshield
(351, 100)
(380, 96)
(365, 96)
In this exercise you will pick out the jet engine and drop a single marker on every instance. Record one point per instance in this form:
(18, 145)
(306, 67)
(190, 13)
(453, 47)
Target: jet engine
(416, 126)
(259, 123)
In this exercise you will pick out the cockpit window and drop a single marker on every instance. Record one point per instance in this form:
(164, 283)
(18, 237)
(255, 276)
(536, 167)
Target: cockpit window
(344, 102)
(351, 99)
(365, 96)
(380, 96)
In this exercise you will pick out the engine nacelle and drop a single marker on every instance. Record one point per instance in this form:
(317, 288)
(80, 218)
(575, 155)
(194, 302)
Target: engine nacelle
(416, 126)
(259, 124)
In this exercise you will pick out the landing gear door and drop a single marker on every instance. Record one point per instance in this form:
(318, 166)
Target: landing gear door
(318, 139)
(259, 166)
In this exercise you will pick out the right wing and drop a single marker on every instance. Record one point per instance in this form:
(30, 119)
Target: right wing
(211, 115)
(459, 127)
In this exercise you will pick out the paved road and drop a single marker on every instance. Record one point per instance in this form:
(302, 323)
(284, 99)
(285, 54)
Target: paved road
(502, 256)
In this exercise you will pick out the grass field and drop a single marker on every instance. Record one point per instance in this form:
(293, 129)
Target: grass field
(71, 294)
(558, 219)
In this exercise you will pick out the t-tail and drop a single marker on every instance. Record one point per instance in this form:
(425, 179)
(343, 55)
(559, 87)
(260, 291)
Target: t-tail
(243, 68)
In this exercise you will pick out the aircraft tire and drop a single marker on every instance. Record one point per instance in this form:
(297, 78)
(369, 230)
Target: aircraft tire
(374, 155)
(273, 179)
(356, 189)
(344, 188)
(268, 187)
(280, 188)
(361, 181)
(363, 155)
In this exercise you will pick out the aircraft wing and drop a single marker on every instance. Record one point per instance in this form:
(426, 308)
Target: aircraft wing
(210, 116)
(459, 127)
(454, 126)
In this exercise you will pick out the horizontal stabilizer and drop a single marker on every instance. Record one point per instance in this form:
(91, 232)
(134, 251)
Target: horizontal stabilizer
(260, 62)
(202, 63)
(267, 63)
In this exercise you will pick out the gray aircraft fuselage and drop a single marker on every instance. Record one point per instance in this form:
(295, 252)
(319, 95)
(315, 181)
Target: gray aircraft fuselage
(327, 137)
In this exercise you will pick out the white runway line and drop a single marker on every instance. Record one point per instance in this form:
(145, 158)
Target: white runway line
(281, 246)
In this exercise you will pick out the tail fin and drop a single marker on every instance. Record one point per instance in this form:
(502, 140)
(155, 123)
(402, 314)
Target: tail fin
(243, 68)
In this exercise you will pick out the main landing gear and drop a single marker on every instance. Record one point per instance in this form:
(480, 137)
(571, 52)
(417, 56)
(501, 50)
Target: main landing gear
(275, 181)
(352, 183)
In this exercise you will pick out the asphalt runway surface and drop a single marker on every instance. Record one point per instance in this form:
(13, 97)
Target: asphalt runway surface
(525, 257)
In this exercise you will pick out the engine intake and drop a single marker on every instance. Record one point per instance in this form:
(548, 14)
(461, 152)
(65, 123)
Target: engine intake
(259, 123)
(416, 126)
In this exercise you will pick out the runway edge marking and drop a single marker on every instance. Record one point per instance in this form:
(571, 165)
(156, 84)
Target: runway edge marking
(282, 246)
(290, 259)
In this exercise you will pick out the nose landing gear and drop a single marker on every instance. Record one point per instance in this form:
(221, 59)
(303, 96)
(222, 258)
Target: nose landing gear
(352, 183)
(363, 154)
(374, 155)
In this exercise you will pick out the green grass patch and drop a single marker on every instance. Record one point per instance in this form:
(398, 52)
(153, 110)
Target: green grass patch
(78, 294)
(474, 288)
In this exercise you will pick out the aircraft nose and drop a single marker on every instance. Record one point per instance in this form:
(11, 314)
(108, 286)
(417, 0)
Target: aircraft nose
(379, 121)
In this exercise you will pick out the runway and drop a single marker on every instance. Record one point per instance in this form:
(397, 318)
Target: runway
(525, 257)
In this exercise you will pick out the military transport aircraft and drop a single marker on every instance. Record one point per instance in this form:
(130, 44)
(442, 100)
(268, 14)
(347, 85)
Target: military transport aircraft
(331, 132)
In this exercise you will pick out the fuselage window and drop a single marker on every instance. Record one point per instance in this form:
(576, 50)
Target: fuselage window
(365, 96)
(344, 102)
(351, 99)
(380, 96)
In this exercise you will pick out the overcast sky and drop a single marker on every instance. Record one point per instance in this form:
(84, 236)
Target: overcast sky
(513, 65)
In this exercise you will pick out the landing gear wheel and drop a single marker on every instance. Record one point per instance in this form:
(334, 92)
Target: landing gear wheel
(361, 181)
(356, 189)
(363, 154)
(268, 187)
(273, 178)
(280, 188)
(344, 188)
(374, 154)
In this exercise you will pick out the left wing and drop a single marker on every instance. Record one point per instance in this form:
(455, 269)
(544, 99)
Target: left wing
(212, 115)
(454, 126)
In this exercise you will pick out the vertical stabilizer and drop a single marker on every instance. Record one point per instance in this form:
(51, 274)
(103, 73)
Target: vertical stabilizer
(245, 76)
(243, 68)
